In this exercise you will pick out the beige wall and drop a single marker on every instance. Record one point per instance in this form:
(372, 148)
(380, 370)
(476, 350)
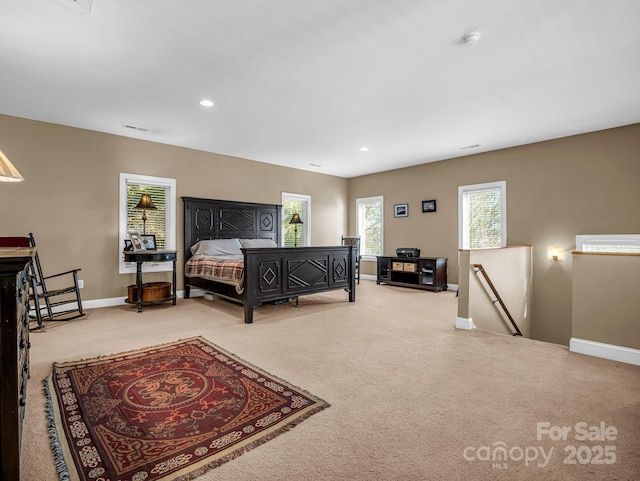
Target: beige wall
(606, 305)
(70, 197)
(585, 184)
(509, 270)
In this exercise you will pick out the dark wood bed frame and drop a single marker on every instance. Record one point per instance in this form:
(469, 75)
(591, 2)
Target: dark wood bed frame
(271, 274)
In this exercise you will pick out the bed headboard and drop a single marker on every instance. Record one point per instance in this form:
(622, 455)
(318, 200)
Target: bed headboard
(226, 219)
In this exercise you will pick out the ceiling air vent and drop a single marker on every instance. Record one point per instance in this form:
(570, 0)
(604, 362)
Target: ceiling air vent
(133, 127)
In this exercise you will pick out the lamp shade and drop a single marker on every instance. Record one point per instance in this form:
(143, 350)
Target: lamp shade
(145, 202)
(295, 219)
(8, 173)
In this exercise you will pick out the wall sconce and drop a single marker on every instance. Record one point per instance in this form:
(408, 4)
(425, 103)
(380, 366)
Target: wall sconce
(555, 253)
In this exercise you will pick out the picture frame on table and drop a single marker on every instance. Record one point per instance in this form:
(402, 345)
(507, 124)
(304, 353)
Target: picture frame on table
(136, 241)
(128, 246)
(149, 241)
(429, 205)
(401, 210)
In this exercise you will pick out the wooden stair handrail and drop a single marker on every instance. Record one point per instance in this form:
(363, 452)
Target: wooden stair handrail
(480, 268)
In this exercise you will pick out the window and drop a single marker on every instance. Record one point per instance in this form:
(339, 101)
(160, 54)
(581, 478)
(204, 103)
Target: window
(161, 221)
(369, 225)
(482, 215)
(296, 204)
(624, 243)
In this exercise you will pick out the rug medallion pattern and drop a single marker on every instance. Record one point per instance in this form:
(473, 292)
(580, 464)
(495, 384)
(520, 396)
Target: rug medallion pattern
(165, 413)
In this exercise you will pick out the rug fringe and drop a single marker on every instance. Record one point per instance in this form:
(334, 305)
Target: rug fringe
(258, 442)
(54, 439)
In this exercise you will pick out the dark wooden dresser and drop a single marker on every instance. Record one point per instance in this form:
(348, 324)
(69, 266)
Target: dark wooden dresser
(14, 355)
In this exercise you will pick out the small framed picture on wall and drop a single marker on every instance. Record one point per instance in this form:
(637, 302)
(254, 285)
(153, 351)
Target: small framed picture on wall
(429, 205)
(401, 210)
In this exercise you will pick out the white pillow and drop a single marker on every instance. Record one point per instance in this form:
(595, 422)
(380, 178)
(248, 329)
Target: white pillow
(248, 243)
(217, 247)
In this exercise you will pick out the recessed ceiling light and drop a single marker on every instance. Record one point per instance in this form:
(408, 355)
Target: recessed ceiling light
(466, 147)
(206, 103)
(364, 149)
(314, 165)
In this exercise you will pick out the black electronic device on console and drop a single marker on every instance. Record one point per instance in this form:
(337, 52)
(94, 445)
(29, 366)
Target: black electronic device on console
(407, 252)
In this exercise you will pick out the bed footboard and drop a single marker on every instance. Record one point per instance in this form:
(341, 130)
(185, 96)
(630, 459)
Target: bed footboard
(280, 272)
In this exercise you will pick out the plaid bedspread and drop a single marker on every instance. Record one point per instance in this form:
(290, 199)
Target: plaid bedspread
(229, 270)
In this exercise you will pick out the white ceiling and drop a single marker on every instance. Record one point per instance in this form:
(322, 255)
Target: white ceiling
(301, 82)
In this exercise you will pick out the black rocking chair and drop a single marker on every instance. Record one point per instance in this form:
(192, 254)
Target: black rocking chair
(48, 303)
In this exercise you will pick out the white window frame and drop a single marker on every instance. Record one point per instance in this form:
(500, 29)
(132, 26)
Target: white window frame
(305, 215)
(170, 221)
(622, 243)
(463, 221)
(359, 228)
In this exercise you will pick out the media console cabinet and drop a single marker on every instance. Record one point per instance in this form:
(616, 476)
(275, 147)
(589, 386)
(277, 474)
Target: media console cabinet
(428, 273)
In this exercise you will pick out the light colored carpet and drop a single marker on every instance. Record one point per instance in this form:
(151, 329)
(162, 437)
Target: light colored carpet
(409, 393)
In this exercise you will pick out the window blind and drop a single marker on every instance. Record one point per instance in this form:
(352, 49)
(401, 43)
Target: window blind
(156, 218)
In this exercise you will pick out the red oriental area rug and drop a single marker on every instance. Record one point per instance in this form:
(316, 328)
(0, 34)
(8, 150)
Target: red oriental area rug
(165, 413)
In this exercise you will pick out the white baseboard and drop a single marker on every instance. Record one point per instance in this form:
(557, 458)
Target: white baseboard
(605, 351)
(118, 301)
(96, 303)
(465, 323)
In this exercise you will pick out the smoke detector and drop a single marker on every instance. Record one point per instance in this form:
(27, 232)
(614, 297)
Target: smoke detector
(471, 38)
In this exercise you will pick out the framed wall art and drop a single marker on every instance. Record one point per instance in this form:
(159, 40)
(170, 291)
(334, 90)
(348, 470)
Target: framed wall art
(429, 205)
(401, 210)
